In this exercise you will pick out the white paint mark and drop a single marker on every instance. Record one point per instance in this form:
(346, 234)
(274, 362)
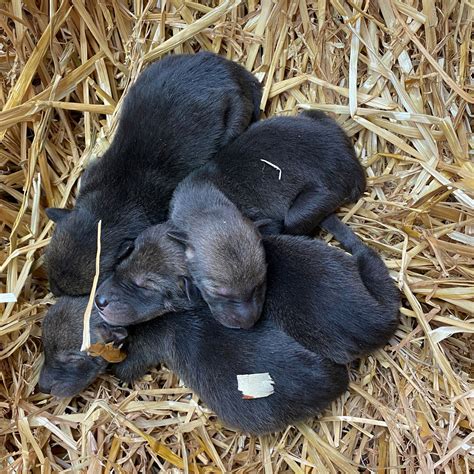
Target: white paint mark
(255, 385)
(7, 298)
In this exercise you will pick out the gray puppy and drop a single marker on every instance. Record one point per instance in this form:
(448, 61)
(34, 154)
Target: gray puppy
(224, 252)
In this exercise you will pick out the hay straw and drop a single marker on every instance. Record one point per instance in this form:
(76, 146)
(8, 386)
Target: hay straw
(395, 74)
(86, 332)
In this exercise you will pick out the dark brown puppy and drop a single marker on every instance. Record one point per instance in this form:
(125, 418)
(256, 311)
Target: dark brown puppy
(287, 174)
(152, 281)
(341, 306)
(176, 117)
(206, 355)
(66, 370)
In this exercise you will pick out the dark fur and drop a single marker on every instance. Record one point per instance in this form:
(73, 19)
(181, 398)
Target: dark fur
(176, 117)
(223, 249)
(339, 305)
(319, 171)
(66, 370)
(343, 306)
(224, 252)
(133, 293)
(208, 357)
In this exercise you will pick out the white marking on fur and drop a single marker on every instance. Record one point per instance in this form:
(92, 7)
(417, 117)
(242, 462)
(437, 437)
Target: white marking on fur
(255, 385)
(273, 166)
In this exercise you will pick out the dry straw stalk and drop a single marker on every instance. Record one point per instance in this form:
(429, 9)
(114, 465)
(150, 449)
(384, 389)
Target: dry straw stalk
(396, 76)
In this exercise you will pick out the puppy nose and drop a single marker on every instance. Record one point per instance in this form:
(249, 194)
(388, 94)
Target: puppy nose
(101, 301)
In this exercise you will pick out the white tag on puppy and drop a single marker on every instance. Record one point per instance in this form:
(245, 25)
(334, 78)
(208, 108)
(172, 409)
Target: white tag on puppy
(255, 385)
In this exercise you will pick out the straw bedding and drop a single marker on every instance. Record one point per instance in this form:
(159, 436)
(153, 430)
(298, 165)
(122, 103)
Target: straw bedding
(396, 76)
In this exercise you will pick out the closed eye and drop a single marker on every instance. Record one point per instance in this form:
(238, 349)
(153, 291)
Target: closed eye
(149, 284)
(226, 295)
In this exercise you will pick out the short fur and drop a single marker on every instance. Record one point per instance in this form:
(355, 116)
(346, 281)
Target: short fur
(319, 172)
(342, 306)
(66, 370)
(224, 252)
(208, 357)
(176, 117)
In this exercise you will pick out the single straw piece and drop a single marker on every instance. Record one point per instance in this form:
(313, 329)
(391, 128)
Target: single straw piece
(86, 336)
(273, 166)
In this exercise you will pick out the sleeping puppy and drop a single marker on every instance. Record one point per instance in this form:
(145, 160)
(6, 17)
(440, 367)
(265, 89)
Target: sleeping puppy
(338, 305)
(205, 354)
(175, 118)
(293, 170)
(213, 207)
(224, 252)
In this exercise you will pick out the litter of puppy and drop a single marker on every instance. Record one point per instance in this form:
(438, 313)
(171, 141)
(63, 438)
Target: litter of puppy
(63, 74)
(255, 385)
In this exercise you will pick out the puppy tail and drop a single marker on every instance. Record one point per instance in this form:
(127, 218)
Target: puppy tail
(343, 233)
(372, 269)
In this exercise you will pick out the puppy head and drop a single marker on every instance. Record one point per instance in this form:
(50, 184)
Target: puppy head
(226, 260)
(70, 257)
(66, 370)
(149, 282)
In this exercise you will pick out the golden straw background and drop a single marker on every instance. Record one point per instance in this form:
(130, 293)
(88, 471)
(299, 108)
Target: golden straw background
(396, 75)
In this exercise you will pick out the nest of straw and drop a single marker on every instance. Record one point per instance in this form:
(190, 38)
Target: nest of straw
(396, 76)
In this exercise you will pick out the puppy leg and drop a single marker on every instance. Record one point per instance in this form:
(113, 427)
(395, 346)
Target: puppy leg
(309, 208)
(133, 368)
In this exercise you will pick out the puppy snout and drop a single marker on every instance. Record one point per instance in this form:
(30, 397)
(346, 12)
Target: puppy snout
(237, 316)
(247, 314)
(101, 301)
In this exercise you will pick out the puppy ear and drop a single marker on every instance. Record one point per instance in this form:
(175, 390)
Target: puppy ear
(190, 288)
(56, 213)
(178, 236)
(115, 334)
(125, 249)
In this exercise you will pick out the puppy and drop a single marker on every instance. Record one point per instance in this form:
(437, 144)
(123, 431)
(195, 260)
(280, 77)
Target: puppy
(66, 370)
(224, 252)
(206, 355)
(319, 172)
(175, 118)
(293, 170)
(338, 305)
